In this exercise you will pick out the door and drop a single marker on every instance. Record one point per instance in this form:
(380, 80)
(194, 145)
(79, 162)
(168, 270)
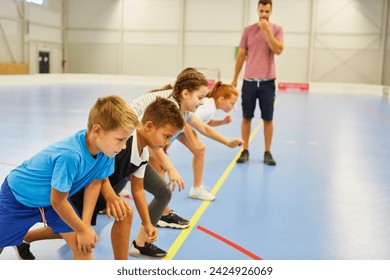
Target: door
(44, 62)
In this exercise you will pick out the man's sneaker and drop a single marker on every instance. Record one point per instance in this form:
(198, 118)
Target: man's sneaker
(172, 220)
(149, 250)
(201, 193)
(268, 159)
(244, 157)
(23, 252)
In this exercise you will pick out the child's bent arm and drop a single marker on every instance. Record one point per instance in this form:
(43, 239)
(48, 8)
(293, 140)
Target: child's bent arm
(138, 192)
(226, 120)
(210, 132)
(91, 194)
(86, 236)
(116, 206)
(174, 175)
(61, 205)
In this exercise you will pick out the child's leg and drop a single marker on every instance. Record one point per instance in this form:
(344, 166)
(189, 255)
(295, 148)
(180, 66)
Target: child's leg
(198, 149)
(120, 236)
(157, 166)
(15, 218)
(71, 239)
(40, 234)
(160, 170)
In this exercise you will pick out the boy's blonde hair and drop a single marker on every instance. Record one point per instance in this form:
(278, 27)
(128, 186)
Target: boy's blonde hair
(112, 112)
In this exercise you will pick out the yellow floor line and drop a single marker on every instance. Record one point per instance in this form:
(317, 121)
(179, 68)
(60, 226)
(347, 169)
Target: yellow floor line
(199, 212)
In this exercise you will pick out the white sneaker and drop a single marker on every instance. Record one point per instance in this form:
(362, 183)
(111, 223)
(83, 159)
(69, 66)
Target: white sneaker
(201, 193)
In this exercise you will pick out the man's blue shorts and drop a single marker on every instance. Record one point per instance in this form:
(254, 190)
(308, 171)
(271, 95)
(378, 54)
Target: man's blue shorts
(16, 219)
(264, 91)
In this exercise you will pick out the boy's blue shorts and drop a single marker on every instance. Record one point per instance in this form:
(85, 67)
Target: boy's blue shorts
(16, 219)
(264, 91)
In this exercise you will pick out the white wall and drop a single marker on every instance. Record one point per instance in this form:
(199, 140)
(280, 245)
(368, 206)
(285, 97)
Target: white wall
(325, 40)
(386, 71)
(26, 29)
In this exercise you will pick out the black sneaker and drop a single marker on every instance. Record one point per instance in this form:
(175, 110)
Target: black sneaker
(244, 157)
(268, 159)
(23, 252)
(172, 220)
(149, 250)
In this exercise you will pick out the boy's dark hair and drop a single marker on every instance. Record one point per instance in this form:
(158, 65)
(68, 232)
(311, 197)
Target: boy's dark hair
(264, 2)
(162, 112)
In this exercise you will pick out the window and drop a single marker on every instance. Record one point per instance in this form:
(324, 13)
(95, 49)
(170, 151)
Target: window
(38, 2)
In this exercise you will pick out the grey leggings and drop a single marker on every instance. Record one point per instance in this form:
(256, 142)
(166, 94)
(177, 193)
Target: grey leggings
(155, 185)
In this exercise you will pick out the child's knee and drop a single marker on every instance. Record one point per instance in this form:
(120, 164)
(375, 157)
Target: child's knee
(82, 256)
(200, 150)
(128, 219)
(129, 214)
(167, 195)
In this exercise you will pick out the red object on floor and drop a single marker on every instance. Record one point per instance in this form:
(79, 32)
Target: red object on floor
(211, 83)
(293, 86)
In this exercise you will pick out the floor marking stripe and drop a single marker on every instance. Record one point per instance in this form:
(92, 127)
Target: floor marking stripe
(370, 109)
(230, 243)
(6, 163)
(199, 212)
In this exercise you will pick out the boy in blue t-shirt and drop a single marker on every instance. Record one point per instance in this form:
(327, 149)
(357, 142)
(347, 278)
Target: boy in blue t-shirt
(39, 189)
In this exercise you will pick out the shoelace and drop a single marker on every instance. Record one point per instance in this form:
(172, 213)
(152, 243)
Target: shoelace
(151, 246)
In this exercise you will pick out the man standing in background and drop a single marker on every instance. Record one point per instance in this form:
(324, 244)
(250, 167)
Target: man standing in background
(259, 44)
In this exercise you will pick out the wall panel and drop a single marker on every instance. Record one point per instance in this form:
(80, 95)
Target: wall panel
(150, 60)
(152, 15)
(92, 14)
(93, 58)
(325, 40)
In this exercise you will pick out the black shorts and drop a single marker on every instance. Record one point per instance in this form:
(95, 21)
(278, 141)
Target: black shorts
(78, 200)
(264, 91)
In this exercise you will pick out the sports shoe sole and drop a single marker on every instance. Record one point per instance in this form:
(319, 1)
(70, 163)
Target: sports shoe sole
(134, 252)
(163, 224)
(201, 198)
(18, 255)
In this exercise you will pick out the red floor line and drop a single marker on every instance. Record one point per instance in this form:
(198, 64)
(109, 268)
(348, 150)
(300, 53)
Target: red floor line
(370, 109)
(6, 163)
(230, 243)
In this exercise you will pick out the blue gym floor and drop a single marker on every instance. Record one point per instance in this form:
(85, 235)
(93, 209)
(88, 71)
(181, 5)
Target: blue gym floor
(328, 198)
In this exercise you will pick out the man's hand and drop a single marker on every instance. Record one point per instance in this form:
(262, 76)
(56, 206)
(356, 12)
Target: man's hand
(263, 24)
